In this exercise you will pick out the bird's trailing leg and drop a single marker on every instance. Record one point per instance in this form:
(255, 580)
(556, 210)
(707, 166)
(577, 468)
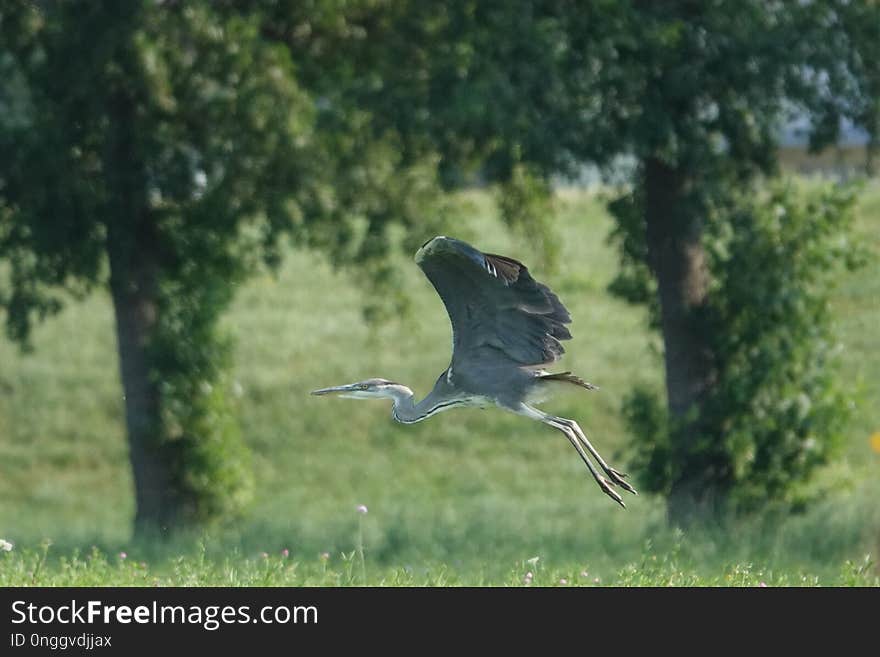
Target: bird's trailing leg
(567, 427)
(618, 478)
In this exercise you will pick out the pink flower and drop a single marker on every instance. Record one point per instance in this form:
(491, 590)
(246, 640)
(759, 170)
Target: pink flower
(285, 553)
(123, 555)
(528, 578)
(763, 585)
(362, 509)
(563, 581)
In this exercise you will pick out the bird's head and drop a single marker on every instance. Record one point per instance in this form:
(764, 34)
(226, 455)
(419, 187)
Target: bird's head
(369, 389)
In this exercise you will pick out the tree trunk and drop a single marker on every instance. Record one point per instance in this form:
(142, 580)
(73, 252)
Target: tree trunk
(678, 261)
(133, 254)
(133, 288)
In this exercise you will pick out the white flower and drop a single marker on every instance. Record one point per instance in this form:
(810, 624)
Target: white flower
(5, 545)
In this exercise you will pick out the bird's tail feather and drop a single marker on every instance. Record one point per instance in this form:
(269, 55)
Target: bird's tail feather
(568, 377)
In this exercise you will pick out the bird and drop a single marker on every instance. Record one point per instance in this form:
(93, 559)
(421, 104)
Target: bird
(506, 329)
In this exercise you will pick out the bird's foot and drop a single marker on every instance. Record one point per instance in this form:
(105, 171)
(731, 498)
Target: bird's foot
(619, 478)
(608, 488)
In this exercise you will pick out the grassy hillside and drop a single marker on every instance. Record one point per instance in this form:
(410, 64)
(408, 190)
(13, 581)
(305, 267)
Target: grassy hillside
(465, 497)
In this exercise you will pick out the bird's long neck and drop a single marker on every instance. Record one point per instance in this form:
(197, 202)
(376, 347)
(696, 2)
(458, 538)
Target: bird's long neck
(406, 410)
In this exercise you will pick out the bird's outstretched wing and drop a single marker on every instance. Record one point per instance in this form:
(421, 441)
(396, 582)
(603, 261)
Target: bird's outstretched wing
(499, 313)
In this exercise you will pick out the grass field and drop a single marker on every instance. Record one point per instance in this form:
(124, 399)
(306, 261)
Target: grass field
(469, 497)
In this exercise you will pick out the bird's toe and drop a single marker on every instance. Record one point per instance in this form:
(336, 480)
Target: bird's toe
(619, 478)
(608, 488)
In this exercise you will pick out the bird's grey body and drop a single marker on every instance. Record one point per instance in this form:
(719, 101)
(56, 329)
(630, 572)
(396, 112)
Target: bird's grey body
(506, 329)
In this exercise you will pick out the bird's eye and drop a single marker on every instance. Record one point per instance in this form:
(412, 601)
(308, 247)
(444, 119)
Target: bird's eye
(362, 387)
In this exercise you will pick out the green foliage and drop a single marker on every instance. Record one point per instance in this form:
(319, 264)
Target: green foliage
(525, 202)
(648, 420)
(375, 195)
(634, 282)
(551, 84)
(777, 407)
(444, 86)
(381, 207)
(199, 436)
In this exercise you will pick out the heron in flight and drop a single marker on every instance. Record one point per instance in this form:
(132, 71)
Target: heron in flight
(506, 328)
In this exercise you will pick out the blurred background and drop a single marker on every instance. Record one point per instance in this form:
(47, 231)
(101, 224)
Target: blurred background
(208, 209)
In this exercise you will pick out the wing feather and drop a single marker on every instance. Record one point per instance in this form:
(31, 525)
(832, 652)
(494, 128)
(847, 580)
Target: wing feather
(498, 311)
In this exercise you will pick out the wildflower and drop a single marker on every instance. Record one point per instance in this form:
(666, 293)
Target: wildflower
(265, 555)
(362, 509)
(285, 553)
(763, 585)
(123, 556)
(6, 546)
(584, 573)
(875, 442)
(533, 561)
(325, 556)
(563, 581)
(596, 580)
(528, 578)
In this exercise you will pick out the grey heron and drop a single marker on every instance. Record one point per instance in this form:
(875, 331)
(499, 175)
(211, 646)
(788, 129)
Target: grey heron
(506, 328)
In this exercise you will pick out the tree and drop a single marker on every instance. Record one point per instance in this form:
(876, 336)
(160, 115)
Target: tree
(724, 77)
(161, 150)
(776, 408)
(153, 137)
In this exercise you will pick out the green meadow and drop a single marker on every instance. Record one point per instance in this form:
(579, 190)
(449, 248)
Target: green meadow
(471, 497)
